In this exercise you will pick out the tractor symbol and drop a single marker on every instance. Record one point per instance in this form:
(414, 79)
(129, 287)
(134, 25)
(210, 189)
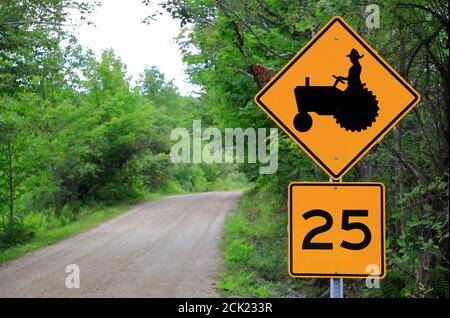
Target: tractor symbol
(354, 109)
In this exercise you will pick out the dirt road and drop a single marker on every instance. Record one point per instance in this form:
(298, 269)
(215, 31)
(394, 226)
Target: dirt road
(164, 248)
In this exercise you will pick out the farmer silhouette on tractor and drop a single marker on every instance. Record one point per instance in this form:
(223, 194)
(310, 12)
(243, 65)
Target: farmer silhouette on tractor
(353, 79)
(354, 109)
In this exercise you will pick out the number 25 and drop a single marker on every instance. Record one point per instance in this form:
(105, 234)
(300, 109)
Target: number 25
(346, 226)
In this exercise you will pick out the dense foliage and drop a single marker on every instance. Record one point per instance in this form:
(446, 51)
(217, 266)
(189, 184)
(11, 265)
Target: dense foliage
(75, 131)
(230, 48)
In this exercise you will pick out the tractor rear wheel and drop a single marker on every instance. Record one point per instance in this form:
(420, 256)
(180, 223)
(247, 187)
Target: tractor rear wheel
(359, 112)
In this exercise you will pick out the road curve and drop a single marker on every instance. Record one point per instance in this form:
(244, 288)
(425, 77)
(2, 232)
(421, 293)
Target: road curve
(164, 248)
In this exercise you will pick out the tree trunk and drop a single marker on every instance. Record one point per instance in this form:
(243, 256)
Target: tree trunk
(10, 181)
(398, 136)
(57, 193)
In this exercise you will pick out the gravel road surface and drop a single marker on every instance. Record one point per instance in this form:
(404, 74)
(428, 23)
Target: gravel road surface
(164, 248)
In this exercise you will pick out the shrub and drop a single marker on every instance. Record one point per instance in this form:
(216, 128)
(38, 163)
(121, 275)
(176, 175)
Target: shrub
(13, 233)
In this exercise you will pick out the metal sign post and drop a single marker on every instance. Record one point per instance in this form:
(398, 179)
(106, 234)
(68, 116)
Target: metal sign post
(336, 284)
(336, 288)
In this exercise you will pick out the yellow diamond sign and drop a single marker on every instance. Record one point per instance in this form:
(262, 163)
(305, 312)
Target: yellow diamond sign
(337, 97)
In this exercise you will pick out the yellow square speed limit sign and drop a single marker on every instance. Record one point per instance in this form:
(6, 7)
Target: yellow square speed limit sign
(336, 229)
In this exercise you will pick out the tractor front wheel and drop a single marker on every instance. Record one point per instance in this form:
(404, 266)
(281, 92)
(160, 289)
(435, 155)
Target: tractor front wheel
(303, 122)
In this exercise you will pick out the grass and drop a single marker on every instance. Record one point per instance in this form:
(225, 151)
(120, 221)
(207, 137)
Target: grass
(88, 218)
(254, 247)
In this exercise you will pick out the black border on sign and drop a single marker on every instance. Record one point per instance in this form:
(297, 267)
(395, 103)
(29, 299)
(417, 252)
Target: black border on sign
(372, 142)
(334, 184)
